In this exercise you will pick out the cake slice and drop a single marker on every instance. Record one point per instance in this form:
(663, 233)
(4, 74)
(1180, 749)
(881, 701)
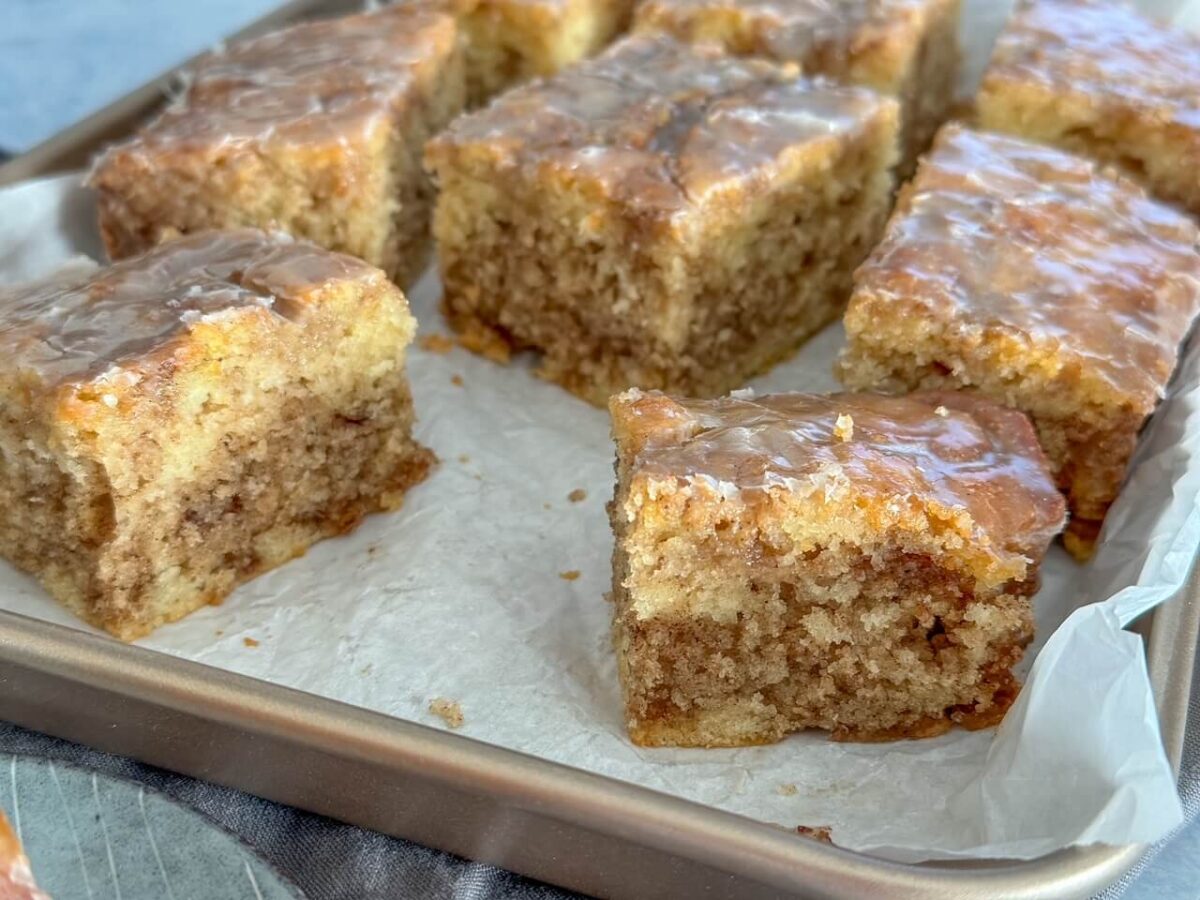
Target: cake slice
(1035, 277)
(856, 563)
(512, 41)
(184, 420)
(907, 49)
(317, 130)
(659, 216)
(1099, 78)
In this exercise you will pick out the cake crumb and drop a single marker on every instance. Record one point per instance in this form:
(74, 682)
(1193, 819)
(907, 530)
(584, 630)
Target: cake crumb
(820, 833)
(486, 345)
(250, 642)
(788, 789)
(456, 380)
(547, 505)
(449, 711)
(942, 411)
(843, 429)
(437, 343)
(373, 550)
(569, 575)
(577, 496)
(463, 458)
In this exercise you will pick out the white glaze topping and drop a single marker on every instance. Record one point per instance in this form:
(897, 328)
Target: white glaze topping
(79, 324)
(820, 35)
(1104, 49)
(996, 233)
(660, 125)
(317, 81)
(973, 455)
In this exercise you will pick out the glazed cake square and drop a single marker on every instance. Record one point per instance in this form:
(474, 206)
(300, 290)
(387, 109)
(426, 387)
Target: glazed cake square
(317, 130)
(659, 216)
(185, 420)
(509, 42)
(1033, 276)
(1103, 80)
(856, 563)
(907, 49)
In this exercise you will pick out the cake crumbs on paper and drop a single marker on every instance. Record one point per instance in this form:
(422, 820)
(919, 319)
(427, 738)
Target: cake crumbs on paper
(437, 343)
(820, 833)
(941, 411)
(843, 429)
(250, 642)
(577, 496)
(788, 789)
(456, 380)
(487, 346)
(449, 711)
(569, 575)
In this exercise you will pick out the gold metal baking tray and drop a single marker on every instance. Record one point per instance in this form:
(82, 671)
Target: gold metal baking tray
(546, 820)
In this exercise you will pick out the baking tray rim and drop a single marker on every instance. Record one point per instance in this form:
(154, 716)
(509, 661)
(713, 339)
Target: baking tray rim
(753, 852)
(745, 848)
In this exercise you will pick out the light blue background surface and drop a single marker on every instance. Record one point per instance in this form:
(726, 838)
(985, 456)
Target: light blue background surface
(63, 59)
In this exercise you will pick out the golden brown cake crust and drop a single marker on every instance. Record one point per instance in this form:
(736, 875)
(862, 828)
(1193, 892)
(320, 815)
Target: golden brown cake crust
(659, 127)
(1099, 78)
(310, 83)
(1042, 280)
(998, 234)
(904, 48)
(1105, 50)
(509, 42)
(316, 129)
(953, 451)
(74, 326)
(819, 35)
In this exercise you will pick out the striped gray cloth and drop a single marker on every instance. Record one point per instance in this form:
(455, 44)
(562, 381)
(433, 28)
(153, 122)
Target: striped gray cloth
(323, 859)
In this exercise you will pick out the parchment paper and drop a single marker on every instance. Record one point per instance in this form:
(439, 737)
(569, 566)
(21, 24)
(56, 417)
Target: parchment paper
(469, 594)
